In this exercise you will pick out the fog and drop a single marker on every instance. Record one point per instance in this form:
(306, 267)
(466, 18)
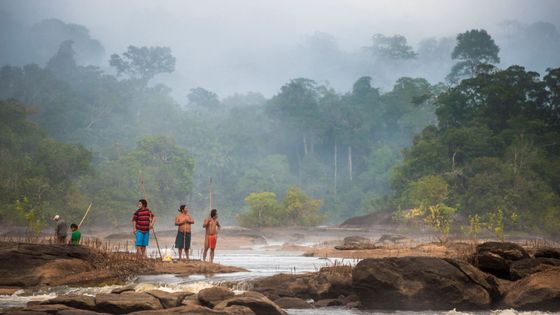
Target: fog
(240, 46)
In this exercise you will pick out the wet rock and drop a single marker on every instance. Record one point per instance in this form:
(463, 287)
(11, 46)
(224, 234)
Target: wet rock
(212, 296)
(126, 303)
(419, 283)
(528, 266)
(539, 291)
(50, 308)
(328, 302)
(168, 299)
(190, 300)
(258, 303)
(496, 257)
(329, 282)
(83, 302)
(292, 303)
(127, 288)
(78, 312)
(548, 252)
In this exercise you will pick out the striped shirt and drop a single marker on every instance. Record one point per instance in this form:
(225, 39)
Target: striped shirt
(142, 218)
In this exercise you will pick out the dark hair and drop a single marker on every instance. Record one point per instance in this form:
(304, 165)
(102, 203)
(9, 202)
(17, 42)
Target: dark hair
(144, 202)
(74, 225)
(213, 213)
(181, 207)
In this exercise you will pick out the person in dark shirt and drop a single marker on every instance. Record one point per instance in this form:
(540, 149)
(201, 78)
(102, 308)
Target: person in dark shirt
(61, 230)
(142, 221)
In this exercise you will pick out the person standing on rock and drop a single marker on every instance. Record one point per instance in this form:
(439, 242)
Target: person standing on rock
(212, 225)
(142, 221)
(61, 230)
(183, 240)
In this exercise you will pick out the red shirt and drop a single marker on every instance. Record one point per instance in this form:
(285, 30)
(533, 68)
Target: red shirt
(142, 218)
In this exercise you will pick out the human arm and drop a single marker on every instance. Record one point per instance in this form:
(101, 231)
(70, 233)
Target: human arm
(205, 224)
(152, 220)
(189, 219)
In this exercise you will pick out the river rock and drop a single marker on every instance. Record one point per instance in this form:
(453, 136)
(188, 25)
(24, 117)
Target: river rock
(126, 288)
(355, 240)
(390, 238)
(83, 302)
(200, 310)
(169, 299)
(292, 303)
(528, 266)
(418, 283)
(258, 303)
(548, 252)
(25, 265)
(496, 257)
(329, 282)
(539, 291)
(212, 296)
(328, 302)
(126, 303)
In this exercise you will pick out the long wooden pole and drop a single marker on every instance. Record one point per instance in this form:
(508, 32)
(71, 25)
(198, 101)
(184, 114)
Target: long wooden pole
(84, 217)
(210, 192)
(146, 197)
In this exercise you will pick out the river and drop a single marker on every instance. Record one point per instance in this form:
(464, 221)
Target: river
(258, 261)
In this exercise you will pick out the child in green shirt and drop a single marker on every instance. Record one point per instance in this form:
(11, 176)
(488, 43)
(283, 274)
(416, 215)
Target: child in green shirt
(76, 235)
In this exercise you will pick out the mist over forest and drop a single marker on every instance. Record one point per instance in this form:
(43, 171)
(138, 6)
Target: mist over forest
(301, 112)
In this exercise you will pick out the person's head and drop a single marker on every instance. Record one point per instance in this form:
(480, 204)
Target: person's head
(183, 209)
(56, 218)
(213, 213)
(73, 226)
(142, 203)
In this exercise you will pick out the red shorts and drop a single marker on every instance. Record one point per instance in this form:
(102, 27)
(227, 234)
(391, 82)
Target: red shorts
(212, 239)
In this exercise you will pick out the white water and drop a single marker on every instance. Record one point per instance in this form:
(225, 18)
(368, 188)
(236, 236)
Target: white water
(258, 261)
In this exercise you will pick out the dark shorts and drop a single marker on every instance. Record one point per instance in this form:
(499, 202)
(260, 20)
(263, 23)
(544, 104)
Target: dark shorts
(183, 239)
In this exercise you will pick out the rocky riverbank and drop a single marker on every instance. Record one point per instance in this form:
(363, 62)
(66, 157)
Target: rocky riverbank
(24, 265)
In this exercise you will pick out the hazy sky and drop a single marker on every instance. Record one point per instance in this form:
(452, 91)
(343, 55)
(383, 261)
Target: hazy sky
(213, 38)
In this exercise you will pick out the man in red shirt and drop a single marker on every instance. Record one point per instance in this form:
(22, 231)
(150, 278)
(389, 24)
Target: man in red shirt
(142, 221)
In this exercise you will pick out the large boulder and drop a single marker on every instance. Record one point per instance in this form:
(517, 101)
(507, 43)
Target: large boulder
(212, 296)
(496, 257)
(257, 302)
(329, 282)
(26, 265)
(539, 291)
(420, 283)
(126, 303)
(528, 266)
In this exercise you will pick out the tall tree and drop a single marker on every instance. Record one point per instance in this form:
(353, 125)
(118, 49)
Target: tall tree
(474, 48)
(143, 63)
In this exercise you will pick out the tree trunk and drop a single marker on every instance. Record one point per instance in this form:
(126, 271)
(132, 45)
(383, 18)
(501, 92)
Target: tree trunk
(304, 146)
(335, 166)
(350, 162)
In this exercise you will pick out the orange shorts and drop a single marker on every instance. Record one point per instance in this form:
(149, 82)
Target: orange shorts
(212, 239)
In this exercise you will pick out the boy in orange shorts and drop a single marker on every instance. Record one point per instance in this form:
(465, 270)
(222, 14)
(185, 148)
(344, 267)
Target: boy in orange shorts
(212, 225)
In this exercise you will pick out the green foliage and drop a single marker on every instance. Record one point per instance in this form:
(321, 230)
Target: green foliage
(264, 210)
(143, 63)
(474, 49)
(491, 145)
(295, 209)
(392, 47)
(428, 190)
(30, 216)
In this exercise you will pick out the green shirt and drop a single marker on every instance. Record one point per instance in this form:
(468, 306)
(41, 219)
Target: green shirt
(75, 239)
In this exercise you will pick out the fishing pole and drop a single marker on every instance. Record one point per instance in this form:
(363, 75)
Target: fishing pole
(87, 211)
(146, 197)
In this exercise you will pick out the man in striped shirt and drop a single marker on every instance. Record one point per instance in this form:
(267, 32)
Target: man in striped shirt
(142, 221)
